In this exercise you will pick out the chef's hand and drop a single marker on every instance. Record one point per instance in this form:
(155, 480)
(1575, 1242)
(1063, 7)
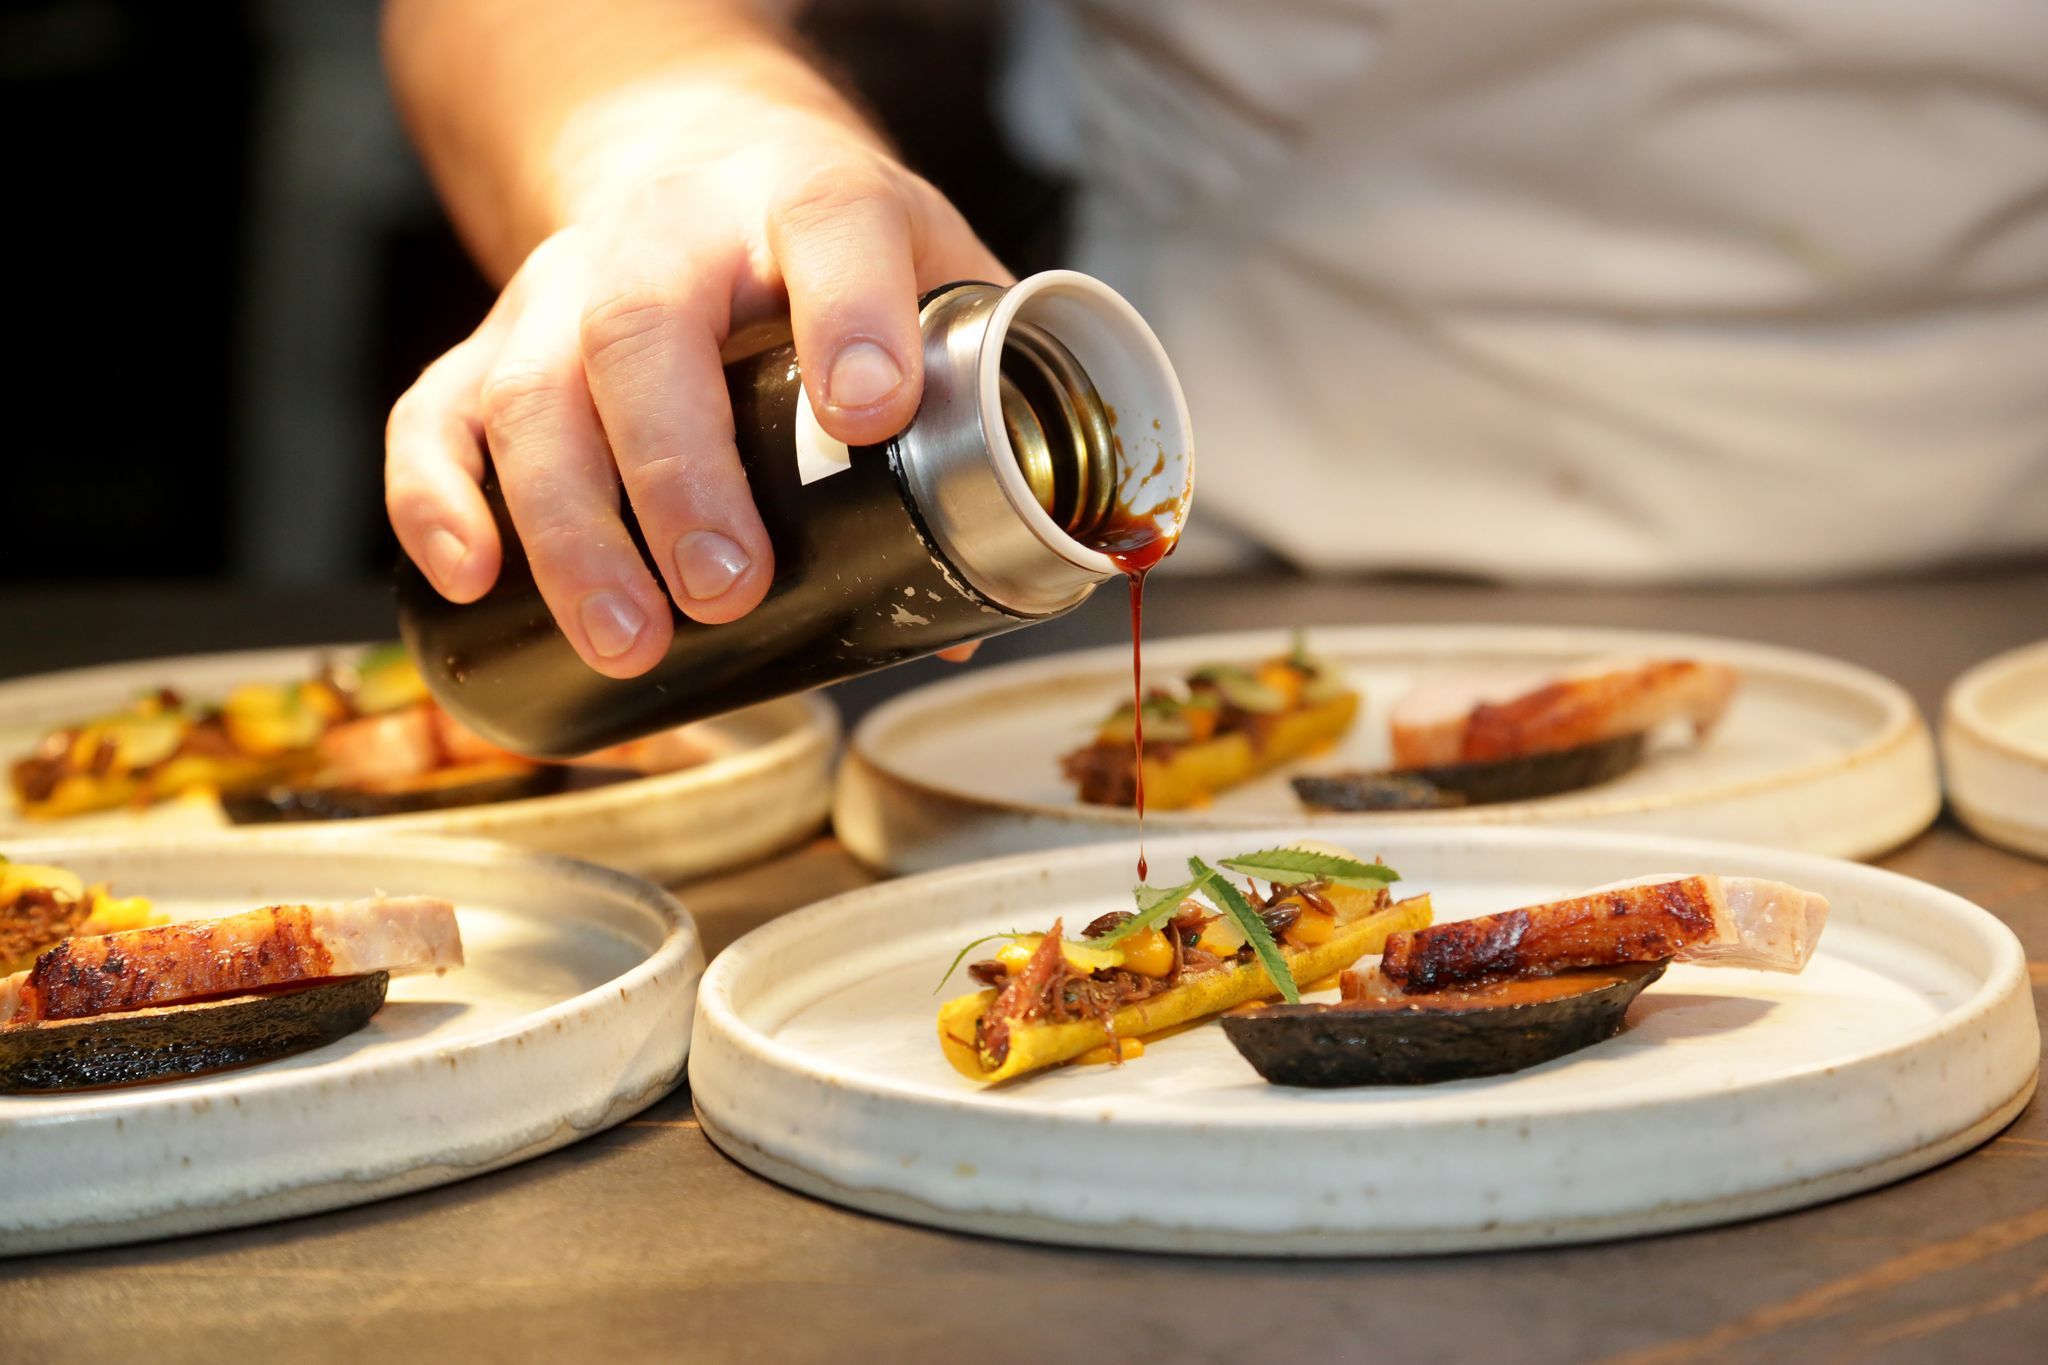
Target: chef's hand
(599, 368)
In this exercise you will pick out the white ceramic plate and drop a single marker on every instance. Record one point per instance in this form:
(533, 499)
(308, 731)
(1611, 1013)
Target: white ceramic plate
(1910, 1038)
(1994, 742)
(1814, 754)
(768, 785)
(572, 1014)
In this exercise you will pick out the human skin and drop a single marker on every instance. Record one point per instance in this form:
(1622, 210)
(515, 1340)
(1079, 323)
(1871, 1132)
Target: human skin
(646, 178)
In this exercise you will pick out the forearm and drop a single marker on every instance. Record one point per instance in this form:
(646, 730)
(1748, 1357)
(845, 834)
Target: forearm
(531, 112)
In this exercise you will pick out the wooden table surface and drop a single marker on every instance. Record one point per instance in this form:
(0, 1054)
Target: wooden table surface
(645, 1242)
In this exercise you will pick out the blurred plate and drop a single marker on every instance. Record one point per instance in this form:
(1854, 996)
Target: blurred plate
(767, 785)
(1909, 1038)
(1814, 754)
(572, 1014)
(1994, 742)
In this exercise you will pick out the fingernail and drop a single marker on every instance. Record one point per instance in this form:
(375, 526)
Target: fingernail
(708, 563)
(445, 553)
(862, 375)
(611, 622)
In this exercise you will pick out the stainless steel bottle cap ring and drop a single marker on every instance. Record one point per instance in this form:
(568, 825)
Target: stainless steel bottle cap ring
(1103, 376)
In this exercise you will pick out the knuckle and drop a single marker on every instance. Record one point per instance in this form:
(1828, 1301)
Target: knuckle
(516, 396)
(572, 554)
(824, 194)
(623, 323)
(670, 490)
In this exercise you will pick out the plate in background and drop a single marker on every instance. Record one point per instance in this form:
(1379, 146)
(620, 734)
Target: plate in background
(1994, 744)
(766, 787)
(572, 1013)
(1814, 754)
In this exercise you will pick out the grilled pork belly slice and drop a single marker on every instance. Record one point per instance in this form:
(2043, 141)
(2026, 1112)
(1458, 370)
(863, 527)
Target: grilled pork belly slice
(194, 959)
(1487, 717)
(1716, 921)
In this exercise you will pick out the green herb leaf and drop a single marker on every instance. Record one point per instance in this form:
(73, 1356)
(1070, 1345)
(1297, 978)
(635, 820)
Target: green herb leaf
(1152, 898)
(1231, 902)
(1155, 903)
(1240, 688)
(961, 956)
(1289, 866)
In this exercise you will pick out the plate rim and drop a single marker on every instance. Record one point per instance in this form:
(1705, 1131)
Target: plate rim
(1964, 708)
(1996, 780)
(1556, 1232)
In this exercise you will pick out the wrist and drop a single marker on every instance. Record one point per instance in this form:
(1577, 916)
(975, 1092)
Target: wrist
(684, 119)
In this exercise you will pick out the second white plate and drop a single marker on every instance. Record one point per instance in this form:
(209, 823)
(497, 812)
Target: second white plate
(572, 1013)
(1814, 754)
(766, 785)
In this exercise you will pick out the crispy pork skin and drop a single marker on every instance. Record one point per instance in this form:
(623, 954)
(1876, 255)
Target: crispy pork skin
(278, 946)
(1719, 921)
(1483, 718)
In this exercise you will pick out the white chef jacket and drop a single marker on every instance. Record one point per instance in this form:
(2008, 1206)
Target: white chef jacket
(1578, 289)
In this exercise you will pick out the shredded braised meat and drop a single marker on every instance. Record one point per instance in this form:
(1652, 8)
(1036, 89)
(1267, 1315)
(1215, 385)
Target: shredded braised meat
(36, 776)
(37, 918)
(1049, 988)
(1107, 774)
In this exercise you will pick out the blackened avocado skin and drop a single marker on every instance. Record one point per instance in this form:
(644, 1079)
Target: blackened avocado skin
(185, 1040)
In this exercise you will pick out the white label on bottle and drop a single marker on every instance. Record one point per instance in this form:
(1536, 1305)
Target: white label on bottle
(818, 456)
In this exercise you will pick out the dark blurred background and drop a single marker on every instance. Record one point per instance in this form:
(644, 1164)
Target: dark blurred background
(227, 263)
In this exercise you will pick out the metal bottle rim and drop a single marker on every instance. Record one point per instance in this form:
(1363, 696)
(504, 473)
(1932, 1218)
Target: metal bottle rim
(956, 456)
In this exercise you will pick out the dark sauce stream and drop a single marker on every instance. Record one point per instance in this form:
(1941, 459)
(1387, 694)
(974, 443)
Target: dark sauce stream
(1135, 542)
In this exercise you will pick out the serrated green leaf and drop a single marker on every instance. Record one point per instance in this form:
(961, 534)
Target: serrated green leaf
(1288, 866)
(1150, 898)
(1155, 903)
(1231, 902)
(961, 956)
